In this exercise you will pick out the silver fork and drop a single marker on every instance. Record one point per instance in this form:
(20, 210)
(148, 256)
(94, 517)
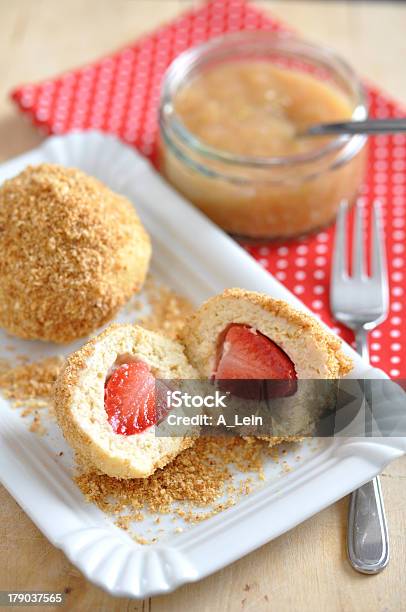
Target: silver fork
(361, 302)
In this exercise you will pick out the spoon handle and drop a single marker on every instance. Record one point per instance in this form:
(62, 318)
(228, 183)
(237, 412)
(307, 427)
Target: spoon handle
(369, 126)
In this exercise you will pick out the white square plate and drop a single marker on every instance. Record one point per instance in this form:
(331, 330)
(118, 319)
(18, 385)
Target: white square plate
(198, 260)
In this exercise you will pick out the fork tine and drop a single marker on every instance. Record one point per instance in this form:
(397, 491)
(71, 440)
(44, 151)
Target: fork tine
(339, 267)
(358, 257)
(378, 264)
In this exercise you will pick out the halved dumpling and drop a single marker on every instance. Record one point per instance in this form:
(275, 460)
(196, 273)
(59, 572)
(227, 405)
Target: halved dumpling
(105, 400)
(313, 351)
(242, 336)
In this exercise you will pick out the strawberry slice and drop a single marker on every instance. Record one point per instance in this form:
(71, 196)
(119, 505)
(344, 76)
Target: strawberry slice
(245, 354)
(129, 398)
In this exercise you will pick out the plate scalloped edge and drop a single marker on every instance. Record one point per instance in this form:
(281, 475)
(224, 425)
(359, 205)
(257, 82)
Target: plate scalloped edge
(105, 554)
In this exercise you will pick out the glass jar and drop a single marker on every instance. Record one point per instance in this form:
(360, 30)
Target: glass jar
(262, 197)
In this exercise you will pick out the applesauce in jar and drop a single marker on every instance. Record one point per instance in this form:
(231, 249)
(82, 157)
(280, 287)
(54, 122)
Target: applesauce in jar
(230, 125)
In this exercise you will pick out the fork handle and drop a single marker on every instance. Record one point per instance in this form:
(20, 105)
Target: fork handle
(368, 542)
(367, 537)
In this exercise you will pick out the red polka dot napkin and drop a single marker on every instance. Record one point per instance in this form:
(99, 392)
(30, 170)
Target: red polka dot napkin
(120, 94)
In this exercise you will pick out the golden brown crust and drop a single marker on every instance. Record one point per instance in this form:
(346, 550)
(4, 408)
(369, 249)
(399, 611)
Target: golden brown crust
(75, 253)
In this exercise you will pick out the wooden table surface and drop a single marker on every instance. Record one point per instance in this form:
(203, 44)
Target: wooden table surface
(305, 569)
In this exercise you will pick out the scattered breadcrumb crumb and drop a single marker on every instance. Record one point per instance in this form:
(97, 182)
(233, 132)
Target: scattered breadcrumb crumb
(168, 309)
(33, 380)
(36, 425)
(286, 468)
(199, 478)
(30, 388)
(141, 540)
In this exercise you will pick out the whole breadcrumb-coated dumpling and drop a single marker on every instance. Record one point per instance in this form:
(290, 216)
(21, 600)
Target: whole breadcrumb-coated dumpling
(72, 253)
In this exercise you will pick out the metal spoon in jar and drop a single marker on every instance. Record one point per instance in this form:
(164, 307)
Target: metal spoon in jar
(369, 126)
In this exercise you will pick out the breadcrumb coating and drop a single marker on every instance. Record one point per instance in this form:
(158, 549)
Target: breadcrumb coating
(73, 252)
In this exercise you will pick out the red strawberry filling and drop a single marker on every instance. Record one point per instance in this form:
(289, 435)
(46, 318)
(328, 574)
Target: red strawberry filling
(130, 398)
(252, 366)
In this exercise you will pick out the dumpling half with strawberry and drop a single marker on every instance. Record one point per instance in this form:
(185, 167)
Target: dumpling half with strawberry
(271, 359)
(110, 396)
